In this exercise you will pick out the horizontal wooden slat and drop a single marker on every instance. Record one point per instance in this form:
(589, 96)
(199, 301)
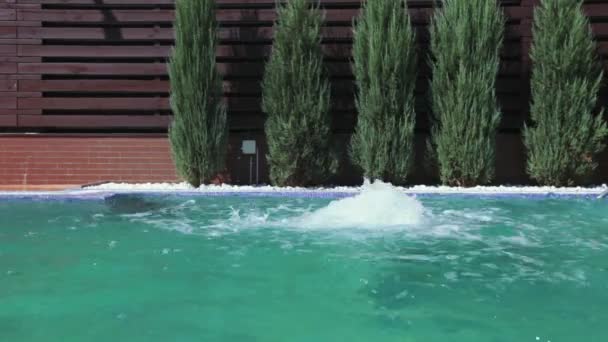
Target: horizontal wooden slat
(7, 14)
(245, 87)
(146, 69)
(93, 51)
(8, 67)
(8, 32)
(8, 102)
(249, 34)
(95, 121)
(247, 104)
(253, 69)
(242, 3)
(96, 15)
(67, 33)
(107, 2)
(8, 120)
(596, 9)
(240, 51)
(250, 104)
(94, 85)
(224, 16)
(345, 121)
(85, 103)
(8, 85)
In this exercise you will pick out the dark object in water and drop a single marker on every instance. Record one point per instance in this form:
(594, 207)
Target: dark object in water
(130, 204)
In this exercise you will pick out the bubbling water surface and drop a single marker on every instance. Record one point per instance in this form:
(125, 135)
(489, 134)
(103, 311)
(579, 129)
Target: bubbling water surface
(377, 266)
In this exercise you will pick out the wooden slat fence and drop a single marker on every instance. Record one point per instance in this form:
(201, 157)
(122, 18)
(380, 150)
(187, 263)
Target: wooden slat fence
(101, 64)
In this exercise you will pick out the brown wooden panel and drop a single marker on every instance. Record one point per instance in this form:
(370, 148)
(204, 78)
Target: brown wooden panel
(162, 51)
(8, 32)
(7, 14)
(8, 67)
(74, 33)
(8, 85)
(93, 51)
(8, 102)
(247, 104)
(85, 103)
(600, 29)
(7, 111)
(138, 86)
(97, 15)
(8, 49)
(247, 34)
(246, 69)
(147, 69)
(596, 9)
(243, 3)
(107, 2)
(95, 121)
(8, 120)
(260, 16)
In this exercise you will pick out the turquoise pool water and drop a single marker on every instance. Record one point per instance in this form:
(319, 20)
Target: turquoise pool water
(379, 267)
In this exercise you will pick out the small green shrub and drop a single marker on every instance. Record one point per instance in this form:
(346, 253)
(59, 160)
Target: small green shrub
(199, 130)
(385, 63)
(466, 38)
(296, 99)
(565, 136)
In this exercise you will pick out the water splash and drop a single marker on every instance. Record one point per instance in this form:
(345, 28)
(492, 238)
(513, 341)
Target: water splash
(379, 206)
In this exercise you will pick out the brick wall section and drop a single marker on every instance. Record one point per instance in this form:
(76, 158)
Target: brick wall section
(42, 160)
(31, 161)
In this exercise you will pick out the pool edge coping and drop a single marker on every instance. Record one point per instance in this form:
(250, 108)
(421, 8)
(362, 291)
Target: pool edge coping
(100, 194)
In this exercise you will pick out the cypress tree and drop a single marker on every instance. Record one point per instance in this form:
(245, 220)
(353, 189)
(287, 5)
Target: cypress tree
(296, 99)
(385, 63)
(466, 37)
(199, 130)
(565, 136)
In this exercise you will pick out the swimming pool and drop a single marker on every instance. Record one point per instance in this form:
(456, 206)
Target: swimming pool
(379, 266)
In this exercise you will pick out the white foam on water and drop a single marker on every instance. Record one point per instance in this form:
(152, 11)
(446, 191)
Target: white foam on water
(378, 205)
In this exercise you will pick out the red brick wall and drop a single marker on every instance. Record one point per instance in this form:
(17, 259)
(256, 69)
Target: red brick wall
(37, 161)
(42, 160)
